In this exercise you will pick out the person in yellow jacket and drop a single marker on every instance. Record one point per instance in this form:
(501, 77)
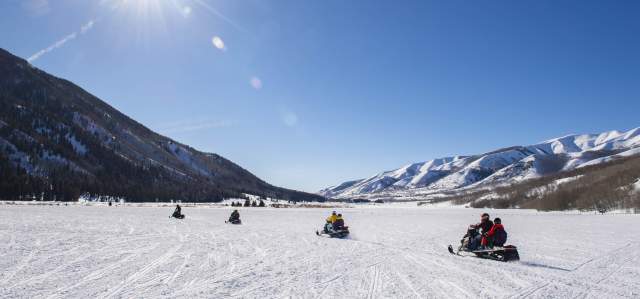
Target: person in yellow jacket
(330, 220)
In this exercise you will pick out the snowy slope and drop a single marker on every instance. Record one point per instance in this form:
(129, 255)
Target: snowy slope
(50, 125)
(122, 252)
(501, 166)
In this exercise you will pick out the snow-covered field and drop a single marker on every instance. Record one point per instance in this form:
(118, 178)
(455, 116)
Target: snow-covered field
(394, 252)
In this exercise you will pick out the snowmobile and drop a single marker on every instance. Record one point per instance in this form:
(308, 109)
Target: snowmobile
(328, 231)
(505, 253)
(234, 221)
(177, 213)
(234, 218)
(177, 216)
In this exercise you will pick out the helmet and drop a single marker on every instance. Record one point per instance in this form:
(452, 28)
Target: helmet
(497, 221)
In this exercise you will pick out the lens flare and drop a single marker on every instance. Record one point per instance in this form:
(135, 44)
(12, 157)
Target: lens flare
(218, 43)
(186, 11)
(289, 118)
(256, 83)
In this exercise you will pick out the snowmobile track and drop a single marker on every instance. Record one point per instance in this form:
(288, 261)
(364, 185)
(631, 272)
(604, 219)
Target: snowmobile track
(97, 252)
(143, 271)
(608, 260)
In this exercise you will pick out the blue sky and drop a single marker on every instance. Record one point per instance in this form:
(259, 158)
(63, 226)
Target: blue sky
(307, 94)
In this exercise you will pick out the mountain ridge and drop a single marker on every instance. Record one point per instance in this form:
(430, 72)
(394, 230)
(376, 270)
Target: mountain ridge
(502, 166)
(49, 125)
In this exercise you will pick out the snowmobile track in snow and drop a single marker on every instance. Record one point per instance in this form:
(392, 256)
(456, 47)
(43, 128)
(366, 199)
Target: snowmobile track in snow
(100, 252)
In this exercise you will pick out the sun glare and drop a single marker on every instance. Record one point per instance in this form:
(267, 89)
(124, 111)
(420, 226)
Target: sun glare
(149, 19)
(145, 7)
(150, 9)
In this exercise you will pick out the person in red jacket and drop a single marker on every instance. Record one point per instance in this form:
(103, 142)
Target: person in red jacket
(496, 236)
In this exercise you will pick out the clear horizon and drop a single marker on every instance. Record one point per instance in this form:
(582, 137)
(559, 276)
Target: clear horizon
(308, 95)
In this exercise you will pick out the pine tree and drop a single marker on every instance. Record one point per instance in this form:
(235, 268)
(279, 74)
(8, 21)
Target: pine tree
(262, 205)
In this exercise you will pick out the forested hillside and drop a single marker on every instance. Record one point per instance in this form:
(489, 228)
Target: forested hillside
(57, 141)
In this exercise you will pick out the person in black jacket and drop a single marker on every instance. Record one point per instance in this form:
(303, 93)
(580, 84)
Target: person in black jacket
(235, 217)
(177, 213)
(485, 223)
(485, 226)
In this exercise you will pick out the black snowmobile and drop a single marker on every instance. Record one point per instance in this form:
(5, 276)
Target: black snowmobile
(504, 253)
(234, 221)
(177, 213)
(177, 216)
(234, 218)
(330, 232)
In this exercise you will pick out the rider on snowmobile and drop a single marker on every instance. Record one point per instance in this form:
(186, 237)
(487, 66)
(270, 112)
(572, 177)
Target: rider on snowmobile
(339, 223)
(235, 217)
(485, 225)
(177, 213)
(496, 236)
(332, 218)
(328, 226)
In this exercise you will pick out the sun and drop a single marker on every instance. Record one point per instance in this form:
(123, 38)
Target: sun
(144, 8)
(147, 20)
(150, 9)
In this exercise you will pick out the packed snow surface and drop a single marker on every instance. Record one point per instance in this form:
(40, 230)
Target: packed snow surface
(393, 252)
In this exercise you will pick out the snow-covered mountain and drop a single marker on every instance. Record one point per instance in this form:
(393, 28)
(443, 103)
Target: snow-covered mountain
(57, 140)
(503, 166)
